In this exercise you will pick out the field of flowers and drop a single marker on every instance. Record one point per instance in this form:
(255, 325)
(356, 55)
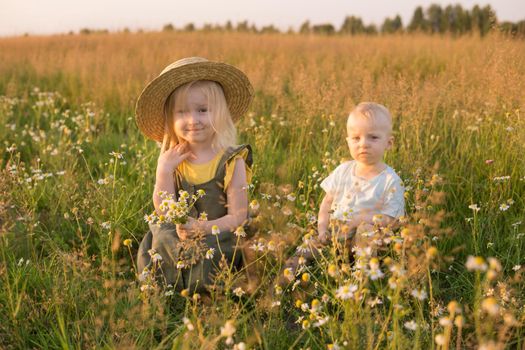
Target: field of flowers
(77, 176)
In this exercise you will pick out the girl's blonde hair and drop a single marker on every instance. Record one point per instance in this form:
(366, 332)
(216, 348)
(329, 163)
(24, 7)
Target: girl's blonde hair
(220, 118)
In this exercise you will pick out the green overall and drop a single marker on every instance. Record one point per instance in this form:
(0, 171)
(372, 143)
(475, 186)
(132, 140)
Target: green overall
(165, 241)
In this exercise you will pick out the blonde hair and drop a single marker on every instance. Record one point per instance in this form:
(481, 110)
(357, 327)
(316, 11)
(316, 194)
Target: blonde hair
(220, 118)
(372, 111)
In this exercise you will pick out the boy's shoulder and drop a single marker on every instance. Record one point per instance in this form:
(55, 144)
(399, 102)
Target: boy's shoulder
(392, 174)
(346, 165)
(344, 169)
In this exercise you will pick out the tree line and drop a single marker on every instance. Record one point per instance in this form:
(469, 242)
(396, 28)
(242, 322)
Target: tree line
(452, 19)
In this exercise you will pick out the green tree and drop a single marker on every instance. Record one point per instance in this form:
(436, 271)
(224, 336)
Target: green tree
(269, 29)
(371, 29)
(521, 28)
(190, 27)
(168, 28)
(352, 25)
(435, 18)
(418, 22)
(392, 25)
(242, 27)
(323, 29)
(462, 20)
(483, 19)
(305, 28)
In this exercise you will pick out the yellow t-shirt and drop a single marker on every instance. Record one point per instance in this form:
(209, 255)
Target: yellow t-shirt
(197, 174)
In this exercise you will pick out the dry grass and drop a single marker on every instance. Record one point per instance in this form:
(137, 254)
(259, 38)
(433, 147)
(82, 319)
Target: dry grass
(458, 113)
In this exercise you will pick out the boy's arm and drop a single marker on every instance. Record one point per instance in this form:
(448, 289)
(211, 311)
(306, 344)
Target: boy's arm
(369, 218)
(323, 218)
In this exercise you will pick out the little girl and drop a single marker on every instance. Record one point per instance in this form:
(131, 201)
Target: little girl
(190, 108)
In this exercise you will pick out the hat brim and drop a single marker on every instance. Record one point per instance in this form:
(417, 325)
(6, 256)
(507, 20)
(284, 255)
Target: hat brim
(150, 105)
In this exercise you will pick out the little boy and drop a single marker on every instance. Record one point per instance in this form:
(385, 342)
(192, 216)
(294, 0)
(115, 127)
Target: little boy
(359, 193)
(363, 191)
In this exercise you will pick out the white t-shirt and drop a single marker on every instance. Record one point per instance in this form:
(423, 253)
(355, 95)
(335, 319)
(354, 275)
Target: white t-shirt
(382, 194)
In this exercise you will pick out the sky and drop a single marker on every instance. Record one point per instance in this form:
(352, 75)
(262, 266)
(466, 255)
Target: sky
(18, 17)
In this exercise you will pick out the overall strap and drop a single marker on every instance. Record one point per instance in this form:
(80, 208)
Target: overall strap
(229, 154)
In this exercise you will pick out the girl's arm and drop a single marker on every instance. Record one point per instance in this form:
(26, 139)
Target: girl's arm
(169, 160)
(237, 205)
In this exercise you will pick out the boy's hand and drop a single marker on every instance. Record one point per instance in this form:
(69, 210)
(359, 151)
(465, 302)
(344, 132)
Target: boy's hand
(324, 237)
(172, 157)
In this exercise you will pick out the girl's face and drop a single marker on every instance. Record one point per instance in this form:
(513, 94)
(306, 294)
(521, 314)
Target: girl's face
(192, 122)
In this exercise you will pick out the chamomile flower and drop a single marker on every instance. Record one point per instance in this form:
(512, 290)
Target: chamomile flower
(476, 263)
(419, 294)
(156, 258)
(305, 277)
(346, 292)
(258, 247)
(504, 207)
(239, 232)
(410, 325)
(490, 306)
(254, 205)
(188, 324)
(277, 290)
(118, 155)
(321, 321)
(375, 274)
(228, 330)
(144, 275)
(239, 346)
(288, 274)
(239, 292)
(209, 253)
(149, 218)
(474, 207)
(440, 339)
(332, 270)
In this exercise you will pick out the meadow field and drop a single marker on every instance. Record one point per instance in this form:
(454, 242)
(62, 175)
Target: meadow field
(77, 177)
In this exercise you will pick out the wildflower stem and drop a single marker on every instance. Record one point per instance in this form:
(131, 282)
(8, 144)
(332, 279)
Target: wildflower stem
(477, 297)
(431, 302)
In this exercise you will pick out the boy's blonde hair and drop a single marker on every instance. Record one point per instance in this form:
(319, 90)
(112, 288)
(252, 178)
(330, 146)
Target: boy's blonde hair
(220, 118)
(372, 111)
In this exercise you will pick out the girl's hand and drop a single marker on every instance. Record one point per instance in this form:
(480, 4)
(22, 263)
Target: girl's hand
(172, 157)
(187, 230)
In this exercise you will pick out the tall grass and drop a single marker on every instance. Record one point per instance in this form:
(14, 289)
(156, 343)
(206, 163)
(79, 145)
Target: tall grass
(69, 200)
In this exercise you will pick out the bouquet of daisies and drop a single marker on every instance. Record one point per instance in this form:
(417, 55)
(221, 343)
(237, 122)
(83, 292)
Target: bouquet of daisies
(175, 211)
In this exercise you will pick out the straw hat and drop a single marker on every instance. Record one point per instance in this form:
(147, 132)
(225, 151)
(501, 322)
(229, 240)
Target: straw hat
(150, 104)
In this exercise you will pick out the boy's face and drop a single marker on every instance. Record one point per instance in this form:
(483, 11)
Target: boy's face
(368, 139)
